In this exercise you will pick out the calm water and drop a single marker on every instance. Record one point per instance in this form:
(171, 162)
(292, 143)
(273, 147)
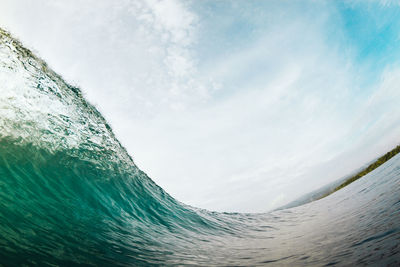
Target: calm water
(71, 195)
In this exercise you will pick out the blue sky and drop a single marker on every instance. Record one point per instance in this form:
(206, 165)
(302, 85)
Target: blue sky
(230, 106)
(372, 31)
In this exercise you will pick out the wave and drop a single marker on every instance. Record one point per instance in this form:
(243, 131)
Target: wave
(70, 194)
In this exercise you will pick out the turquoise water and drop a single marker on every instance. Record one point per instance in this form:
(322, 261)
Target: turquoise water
(70, 195)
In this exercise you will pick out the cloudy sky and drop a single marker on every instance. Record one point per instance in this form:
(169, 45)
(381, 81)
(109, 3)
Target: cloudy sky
(230, 105)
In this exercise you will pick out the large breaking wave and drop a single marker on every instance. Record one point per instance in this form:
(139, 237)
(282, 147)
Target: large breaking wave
(71, 195)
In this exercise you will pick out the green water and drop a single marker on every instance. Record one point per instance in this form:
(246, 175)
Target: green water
(62, 208)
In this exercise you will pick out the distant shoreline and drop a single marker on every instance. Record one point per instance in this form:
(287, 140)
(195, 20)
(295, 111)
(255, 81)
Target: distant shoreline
(365, 171)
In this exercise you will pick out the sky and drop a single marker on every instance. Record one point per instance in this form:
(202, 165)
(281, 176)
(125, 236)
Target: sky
(230, 105)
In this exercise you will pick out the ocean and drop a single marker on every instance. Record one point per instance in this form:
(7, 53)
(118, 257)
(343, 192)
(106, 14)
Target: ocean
(70, 195)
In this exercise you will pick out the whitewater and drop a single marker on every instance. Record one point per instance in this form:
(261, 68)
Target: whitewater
(71, 195)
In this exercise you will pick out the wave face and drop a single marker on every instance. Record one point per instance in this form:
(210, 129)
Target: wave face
(71, 195)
